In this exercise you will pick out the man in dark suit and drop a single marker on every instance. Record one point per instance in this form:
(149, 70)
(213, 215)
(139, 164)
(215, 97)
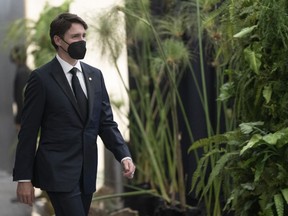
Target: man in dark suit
(66, 105)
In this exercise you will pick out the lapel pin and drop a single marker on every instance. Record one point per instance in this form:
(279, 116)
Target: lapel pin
(90, 78)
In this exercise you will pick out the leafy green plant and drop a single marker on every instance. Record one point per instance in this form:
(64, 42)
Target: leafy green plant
(35, 34)
(255, 160)
(158, 56)
(250, 47)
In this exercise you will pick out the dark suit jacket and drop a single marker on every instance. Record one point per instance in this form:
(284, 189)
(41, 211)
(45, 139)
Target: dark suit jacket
(67, 145)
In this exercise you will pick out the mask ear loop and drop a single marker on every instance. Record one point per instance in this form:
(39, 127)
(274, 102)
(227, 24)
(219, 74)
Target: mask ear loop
(64, 40)
(62, 47)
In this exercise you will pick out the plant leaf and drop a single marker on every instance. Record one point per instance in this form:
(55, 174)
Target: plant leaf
(226, 91)
(244, 31)
(247, 128)
(279, 137)
(258, 171)
(279, 204)
(267, 93)
(253, 141)
(248, 186)
(285, 194)
(253, 59)
(218, 168)
(272, 138)
(216, 139)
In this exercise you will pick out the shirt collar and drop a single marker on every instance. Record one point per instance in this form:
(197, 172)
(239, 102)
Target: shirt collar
(66, 66)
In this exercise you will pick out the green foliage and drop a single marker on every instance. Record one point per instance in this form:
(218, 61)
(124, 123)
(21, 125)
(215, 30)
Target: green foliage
(36, 33)
(279, 204)
(257, 166)
(250, 48)
(40, 38)
(159, 53)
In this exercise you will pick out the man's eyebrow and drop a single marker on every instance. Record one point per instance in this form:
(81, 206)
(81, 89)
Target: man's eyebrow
(78, 34)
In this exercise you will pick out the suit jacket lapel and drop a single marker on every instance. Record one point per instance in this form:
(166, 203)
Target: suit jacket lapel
(59, 76)
(89, 86)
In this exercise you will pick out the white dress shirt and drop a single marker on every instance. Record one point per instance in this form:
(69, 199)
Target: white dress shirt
(67, 67)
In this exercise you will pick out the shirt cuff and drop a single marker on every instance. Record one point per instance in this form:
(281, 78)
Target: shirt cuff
(126, 158)
(26, 180)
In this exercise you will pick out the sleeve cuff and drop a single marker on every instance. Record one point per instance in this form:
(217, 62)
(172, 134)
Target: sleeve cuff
(126, 158)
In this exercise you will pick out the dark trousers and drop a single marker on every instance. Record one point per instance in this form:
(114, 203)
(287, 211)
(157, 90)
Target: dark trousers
(74, 203)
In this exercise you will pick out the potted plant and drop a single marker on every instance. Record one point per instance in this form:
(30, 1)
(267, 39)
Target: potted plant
(159, 54)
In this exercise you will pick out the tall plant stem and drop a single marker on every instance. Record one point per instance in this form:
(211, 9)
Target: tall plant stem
(206, 106)
(203, 77)
(142, 129)
(179, 165)
(182, 193)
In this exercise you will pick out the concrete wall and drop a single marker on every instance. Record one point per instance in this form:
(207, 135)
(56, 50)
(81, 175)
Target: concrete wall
(9, 11)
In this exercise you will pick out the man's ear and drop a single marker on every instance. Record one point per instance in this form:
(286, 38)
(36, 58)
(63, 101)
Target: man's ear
(57, 40)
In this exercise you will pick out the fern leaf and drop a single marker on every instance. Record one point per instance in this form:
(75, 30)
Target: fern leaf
(269, 212)
(285, 194)
(217, 139)
(266, 207)
(208, 19)
(198, 174)
(218, 168)
(199, 144)
(259, 170)
(279, 204)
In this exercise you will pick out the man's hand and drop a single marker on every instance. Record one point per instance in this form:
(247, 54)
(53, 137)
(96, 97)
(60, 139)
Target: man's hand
(25, 192)
(128, 168)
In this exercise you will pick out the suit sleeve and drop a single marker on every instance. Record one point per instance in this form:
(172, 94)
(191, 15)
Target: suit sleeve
(108, 130)
(34, 102)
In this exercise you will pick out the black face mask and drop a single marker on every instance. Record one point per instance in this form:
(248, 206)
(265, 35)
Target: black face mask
(76, 50)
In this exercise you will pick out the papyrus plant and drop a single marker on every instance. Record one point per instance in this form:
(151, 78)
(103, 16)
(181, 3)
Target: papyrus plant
(157, 58)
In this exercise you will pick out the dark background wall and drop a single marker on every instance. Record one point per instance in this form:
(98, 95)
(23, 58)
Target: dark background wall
(9, 11)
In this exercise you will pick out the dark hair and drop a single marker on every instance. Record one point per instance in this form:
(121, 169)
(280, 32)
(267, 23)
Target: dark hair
(62, 23)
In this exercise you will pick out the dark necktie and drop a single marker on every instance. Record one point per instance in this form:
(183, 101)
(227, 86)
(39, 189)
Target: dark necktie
(79, 94)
